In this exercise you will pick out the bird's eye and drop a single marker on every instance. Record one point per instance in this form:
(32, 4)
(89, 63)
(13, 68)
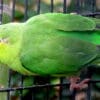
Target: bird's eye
(4, 40)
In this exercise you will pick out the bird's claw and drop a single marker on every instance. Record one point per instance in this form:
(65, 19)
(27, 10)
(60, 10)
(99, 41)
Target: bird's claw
(80, 85)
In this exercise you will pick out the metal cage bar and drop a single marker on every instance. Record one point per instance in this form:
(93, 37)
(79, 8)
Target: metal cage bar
(13, 9)
(64, 6)
(52, 6)
(1, 10)
(38, 6)
(26, 10)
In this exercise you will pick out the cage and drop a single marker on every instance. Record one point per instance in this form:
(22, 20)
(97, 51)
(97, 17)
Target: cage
(19, 87)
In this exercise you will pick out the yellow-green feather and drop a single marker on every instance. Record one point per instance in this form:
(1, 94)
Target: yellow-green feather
(10, 50)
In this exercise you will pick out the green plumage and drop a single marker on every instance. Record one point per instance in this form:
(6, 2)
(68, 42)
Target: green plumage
(50, 44)
(65, 22)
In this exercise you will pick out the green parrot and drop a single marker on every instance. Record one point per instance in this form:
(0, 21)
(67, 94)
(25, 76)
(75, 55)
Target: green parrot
(50, 44)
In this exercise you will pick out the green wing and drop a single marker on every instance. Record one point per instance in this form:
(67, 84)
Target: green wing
(49, 47)
(66, 22)
(55, 53)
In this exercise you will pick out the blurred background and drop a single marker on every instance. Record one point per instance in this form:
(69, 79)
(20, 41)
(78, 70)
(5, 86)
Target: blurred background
(80, 6)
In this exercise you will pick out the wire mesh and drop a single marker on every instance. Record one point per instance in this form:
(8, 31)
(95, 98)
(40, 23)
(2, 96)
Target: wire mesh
(44, 83)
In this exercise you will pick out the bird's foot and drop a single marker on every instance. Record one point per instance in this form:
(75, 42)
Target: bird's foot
(78, 86)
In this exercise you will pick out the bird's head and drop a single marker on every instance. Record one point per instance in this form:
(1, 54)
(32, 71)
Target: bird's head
(9, 42)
